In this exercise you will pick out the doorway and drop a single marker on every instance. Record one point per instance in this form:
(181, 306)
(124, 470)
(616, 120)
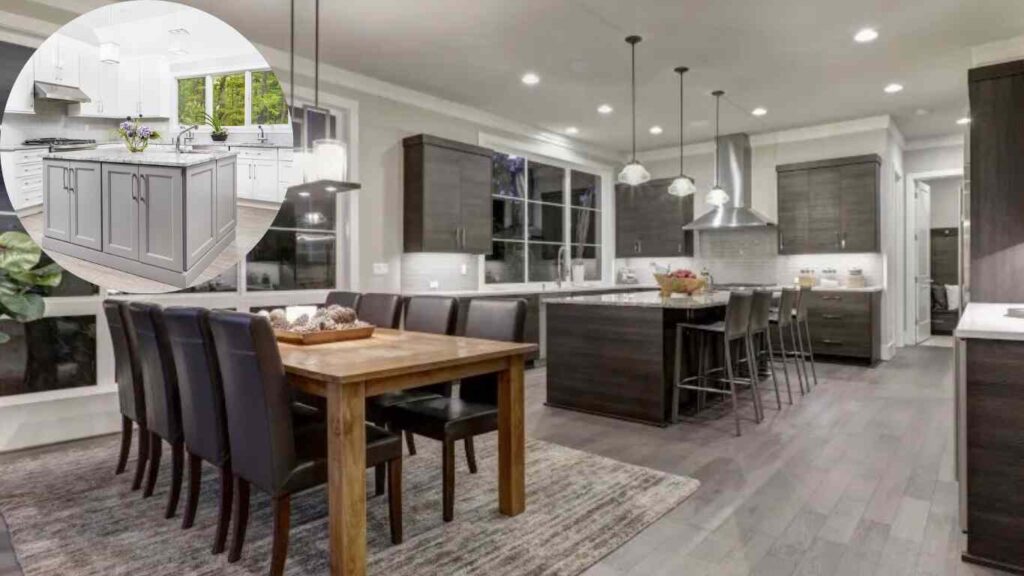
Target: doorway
(932, 241)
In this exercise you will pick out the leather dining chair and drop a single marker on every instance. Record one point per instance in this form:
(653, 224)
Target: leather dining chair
(270, 449)
(346, 299)
(130, 393)
(475, 411)
(381, 310)
(163, 404)
(203, 418)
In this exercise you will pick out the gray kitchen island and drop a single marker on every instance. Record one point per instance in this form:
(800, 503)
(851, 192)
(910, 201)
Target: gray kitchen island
(614, 354)
(164, 216)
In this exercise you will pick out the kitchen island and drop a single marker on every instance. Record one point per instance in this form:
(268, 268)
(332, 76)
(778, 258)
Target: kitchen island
(614, 354)
(164, 216)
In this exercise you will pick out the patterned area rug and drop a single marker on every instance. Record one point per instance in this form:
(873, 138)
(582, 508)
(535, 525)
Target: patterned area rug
(68, 514)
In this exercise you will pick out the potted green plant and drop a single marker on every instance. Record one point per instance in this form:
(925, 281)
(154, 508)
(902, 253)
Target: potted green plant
(20, 279)
(218, 134)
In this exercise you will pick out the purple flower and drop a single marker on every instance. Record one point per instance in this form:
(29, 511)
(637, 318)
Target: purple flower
(126, 126)
(145, 132)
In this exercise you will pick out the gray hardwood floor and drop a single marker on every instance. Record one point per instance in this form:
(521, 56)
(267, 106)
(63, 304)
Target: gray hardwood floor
(856, 478)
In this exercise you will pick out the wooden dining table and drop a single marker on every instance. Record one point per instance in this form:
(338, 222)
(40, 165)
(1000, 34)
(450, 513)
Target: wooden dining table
(346, 373)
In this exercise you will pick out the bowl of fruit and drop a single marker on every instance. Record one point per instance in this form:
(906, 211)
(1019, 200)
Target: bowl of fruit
(679, 282)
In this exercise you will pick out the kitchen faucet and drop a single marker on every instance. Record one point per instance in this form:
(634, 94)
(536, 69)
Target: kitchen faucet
(262, 137)
(177, 139)
(709, 280)
(560, 266)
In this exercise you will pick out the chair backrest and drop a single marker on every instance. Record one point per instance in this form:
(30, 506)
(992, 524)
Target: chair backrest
(256, 399)
(801, 304)
(787, 305)
(760, 311)
(204, 422)
(433, 314)
(127, 370)
(159, 378)
(381, 310)
(503, 320)
(737, 314)
(346, 299)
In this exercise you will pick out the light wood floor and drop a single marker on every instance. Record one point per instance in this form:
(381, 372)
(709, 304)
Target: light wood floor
(252, 224)
(855, 479)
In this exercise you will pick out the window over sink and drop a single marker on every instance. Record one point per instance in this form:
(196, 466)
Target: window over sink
(244, 98)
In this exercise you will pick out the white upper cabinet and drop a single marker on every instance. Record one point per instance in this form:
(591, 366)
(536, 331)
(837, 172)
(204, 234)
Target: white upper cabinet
(56, 61)
(22, 98)
(142, 88)
(99, 81)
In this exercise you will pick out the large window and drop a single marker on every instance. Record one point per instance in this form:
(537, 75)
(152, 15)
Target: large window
(539, 210)
(229, 99)
(268, 104)
(235, 99)
(191, 100)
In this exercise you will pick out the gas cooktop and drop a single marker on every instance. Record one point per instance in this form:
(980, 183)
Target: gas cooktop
(56, 141)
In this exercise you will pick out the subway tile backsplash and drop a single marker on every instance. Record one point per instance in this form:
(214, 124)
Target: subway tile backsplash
(419, 270)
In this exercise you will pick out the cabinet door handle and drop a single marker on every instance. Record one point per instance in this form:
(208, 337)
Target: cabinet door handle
(64, 179)
(74, 187)
(842, 243)
(135, 186)
(832, 342)
(832, 316)
(836, 298)
(144, 188)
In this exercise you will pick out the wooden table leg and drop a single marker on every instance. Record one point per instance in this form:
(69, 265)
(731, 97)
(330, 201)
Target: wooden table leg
(346, 460)
(511, 440)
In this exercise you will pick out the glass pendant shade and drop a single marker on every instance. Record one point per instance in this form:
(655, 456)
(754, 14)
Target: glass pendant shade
(682, 186)
(110, 52)
(634, 174)
(327, 162)
(717, 197)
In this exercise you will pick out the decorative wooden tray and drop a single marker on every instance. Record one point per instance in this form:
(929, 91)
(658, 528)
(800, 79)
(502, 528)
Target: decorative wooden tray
(323, 337)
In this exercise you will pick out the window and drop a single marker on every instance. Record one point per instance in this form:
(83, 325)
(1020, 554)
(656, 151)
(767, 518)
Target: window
(191, 100)
(538, 209)
(48, 354)
(229, 99)
(268, 104)
(298, 251)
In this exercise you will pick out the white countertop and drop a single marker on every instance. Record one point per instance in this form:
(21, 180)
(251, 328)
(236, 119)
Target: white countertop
(553, 289)
(171, 159)
(648, 300)
(989, 322)
(16, 147)
(830, 288)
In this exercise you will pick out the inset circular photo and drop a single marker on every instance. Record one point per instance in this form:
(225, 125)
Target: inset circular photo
(146, 146)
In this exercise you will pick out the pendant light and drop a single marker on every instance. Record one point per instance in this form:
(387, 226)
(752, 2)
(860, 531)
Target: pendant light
(683, 185)
(717, 196)
(110, 51)
(634, 173)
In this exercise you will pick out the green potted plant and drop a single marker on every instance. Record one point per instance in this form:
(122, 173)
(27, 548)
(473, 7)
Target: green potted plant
(218, 134)
(20, 279)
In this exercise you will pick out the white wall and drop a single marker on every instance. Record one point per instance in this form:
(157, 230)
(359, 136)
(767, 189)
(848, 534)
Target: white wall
(945, 211)
(935, 155)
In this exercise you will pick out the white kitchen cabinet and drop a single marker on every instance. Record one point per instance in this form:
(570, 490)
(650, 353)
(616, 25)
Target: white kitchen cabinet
(56, 61)
(142, 88)
(257, 174)
(23, 176)
(57, 201)
(72, 211)
(99, 80)
(128, 84)
(22, 99)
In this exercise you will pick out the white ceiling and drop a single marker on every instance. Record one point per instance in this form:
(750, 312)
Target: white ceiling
(794, 57)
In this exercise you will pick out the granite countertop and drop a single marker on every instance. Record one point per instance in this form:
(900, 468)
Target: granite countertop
(254, 144)
(829, 288)
(648, 300)
(171, 159)
(16, 147)
(987, 321)
(529, 291)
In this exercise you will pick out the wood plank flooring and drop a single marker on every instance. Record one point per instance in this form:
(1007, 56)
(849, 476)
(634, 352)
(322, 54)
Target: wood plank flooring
(856, 478)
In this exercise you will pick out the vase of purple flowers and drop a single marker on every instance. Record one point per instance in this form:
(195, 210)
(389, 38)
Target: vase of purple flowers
(136, 136)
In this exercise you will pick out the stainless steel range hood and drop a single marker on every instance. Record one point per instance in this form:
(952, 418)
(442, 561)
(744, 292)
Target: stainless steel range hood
(734, 176)
(49, 91)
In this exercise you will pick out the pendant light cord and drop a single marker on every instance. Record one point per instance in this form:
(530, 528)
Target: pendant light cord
(718, 103)
(633, 66)
(316, 58)
(291, 66)
(682, 71)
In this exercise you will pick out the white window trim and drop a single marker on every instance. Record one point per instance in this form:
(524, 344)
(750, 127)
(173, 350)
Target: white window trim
(249, 126)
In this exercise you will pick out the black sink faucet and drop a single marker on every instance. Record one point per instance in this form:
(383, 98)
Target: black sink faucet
(262, 137)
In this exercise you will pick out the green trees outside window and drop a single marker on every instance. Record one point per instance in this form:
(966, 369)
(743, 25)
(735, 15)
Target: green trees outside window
(229, 99)
(265, 99)
(191, 100)
(268, 104)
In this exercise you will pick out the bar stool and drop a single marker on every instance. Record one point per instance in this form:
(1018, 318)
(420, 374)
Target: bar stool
(784, 323)
(805, 334)
(760, 317)
(734, 328)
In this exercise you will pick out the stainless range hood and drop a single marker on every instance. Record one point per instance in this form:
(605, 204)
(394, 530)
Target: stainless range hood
(49, 91)
(734, 176)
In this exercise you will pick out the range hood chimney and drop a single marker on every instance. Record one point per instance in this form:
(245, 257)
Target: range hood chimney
(60, 93)
(734, 176)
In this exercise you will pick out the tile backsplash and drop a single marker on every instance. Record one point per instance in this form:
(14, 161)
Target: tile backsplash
(51, 120)
(420, 270)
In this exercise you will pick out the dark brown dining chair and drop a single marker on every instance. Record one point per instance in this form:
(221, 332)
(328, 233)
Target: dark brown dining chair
(163, 404)
(475, 411)
(130, 393)
(431, 314)
(346, 299)
(203, 418)
(269, 448)
(381, 310)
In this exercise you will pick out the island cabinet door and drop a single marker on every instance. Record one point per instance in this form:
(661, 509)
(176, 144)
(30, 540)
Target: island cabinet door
(86, 205)
(56, 200)
(160, 217)
(200, 211)
(120, 184)
(227, 196)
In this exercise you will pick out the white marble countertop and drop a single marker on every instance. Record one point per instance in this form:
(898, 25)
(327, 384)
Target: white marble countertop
(829, 288)
(648, 300)
(171, 159)
(553, 289)
(16, 147)
(989, 322)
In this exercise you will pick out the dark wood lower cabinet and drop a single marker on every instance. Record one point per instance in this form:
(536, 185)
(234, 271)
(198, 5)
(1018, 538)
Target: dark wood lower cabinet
(846, 324)
(994, 396)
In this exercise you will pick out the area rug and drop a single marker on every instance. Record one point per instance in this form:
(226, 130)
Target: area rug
(69, 515)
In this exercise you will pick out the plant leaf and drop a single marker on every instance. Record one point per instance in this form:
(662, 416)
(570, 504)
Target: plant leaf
(18, 252)
(49, 275)
(23, 307)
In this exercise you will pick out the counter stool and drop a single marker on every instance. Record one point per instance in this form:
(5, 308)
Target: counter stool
(734, 328)
(784, 324)
(760, 323)
(803, 331)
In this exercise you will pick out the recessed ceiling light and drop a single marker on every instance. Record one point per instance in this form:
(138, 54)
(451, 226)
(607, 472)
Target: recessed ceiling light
(866, 35)
(759, 111)
(656, 130)
(964, 121)
(605, 109)
(530, 79)
(572, 130)
(893, 88)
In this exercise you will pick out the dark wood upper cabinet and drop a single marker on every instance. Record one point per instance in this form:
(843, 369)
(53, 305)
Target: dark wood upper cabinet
(649, 221)
(447, 188)
(829, 206)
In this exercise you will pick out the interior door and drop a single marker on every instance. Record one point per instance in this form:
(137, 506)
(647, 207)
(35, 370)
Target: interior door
(86, 202)
(923, 265)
